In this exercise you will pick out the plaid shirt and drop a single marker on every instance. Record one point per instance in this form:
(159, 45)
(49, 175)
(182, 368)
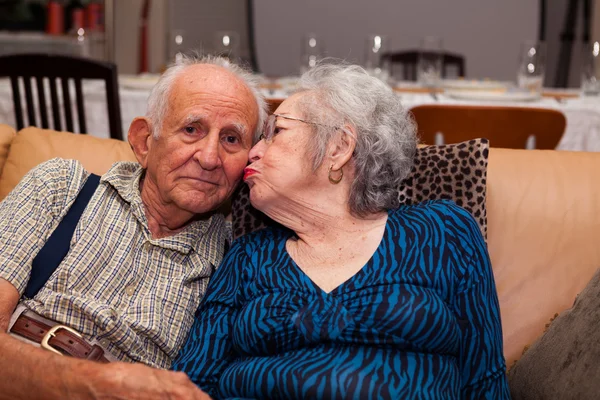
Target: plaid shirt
(135, 294)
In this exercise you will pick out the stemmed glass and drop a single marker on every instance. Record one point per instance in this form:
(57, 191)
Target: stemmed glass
(175, 45)
(590, 76)
(375, 62)
(227, 45)
(429, 61)
(311, 51)
(532, 66)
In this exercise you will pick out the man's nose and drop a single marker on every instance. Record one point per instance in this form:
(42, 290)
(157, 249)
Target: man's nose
(208, 153)
(257, 152)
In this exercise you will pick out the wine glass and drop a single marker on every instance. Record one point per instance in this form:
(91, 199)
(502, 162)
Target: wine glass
(227, 44)
(311, 52)
(176, 45)
(429, 61)
(532, 66)
(590, 76)
(375, 64)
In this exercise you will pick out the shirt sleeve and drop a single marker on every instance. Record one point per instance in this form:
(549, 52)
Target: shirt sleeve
(30, 213)
(208, 349)
(482, 365)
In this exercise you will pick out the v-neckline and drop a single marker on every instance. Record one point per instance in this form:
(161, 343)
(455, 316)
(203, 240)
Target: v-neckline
(305, 277)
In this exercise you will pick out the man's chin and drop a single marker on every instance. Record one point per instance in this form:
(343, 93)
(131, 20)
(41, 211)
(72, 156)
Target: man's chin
(202, 206)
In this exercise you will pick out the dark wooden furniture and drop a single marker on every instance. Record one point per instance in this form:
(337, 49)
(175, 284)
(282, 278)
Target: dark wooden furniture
(54, 69)
(408, 60)
(508, 127)
(273, 104)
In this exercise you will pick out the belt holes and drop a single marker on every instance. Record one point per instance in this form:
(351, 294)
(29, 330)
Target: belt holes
(70, 342)
(26, 325)
(86, 354)
(41, 331)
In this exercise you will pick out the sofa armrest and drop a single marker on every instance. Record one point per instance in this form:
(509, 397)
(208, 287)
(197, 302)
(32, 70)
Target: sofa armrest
(32, 146)
(7, 134)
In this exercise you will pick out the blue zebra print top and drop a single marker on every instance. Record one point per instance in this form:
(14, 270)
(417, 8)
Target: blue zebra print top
(419, 321)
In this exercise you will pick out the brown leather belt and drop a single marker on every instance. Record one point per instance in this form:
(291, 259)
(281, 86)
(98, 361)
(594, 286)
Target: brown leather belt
(58, 338)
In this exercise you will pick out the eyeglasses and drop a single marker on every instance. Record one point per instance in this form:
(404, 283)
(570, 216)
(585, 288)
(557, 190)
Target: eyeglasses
(269, 131)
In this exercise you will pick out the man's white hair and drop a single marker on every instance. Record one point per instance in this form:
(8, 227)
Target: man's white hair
(158, 102)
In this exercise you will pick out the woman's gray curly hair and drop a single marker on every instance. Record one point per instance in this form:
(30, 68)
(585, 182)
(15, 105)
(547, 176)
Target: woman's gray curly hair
(158, 101)
(341, 94)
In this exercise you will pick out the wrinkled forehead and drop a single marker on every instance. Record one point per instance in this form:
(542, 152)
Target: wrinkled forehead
(219, 86)
(295, 104)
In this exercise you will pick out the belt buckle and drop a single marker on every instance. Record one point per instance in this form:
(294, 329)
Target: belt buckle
(51, 333)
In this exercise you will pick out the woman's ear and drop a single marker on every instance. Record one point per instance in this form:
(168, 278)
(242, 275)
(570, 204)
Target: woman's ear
(139, 137)
(342, 147)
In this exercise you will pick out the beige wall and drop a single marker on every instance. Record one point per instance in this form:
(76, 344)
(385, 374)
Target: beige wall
(201, 20)
(127, 16)
(198, 20)
(595, 21)
(487, 32)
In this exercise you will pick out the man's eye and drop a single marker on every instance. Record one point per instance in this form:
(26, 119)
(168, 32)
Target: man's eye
(231, 139)
(190, 130)
(276, 131)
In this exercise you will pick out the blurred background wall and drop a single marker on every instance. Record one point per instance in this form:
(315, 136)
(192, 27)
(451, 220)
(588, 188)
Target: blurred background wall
(487, 32)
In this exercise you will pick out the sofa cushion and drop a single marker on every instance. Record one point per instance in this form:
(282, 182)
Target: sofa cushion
(32, 146)
(563, 363)
(7, 134)
(543, 218)
(455, 172)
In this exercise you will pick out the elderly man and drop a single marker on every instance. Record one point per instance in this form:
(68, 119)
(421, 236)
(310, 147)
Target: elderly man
(141, 252)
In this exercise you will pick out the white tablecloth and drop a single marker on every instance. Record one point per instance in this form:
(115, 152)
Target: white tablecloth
(583, 116)
(582, 132)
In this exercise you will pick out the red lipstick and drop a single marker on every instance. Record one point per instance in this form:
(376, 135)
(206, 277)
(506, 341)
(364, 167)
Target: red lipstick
(248, 172)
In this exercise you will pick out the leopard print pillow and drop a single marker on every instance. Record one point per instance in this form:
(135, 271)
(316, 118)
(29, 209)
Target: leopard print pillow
(455, 172)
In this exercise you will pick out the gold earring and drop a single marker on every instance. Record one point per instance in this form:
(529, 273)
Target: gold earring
(332, 180)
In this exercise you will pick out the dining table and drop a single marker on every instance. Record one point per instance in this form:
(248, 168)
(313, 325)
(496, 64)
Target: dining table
(582, 113)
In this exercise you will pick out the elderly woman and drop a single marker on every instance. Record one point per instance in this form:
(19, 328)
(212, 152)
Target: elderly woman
(354, 296)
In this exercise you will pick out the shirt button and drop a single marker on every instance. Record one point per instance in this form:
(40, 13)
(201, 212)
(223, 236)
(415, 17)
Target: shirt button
(129, 290)
(104, 343)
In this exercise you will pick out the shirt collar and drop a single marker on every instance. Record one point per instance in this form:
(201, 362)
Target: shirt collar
(205, 236)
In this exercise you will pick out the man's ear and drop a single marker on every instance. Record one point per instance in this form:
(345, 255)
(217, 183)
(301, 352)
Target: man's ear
(140, 139)
(342, 147)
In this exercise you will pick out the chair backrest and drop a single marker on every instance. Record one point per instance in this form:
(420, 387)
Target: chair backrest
(273, 104)
(24, 67)
(507, 127)
(408, 60)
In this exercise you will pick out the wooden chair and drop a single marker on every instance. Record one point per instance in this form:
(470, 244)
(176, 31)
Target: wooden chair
(63, 68)
(273, 104)
(508, 127)
(409, 59)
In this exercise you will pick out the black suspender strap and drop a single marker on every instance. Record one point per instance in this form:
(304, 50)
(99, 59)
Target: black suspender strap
(58, 244)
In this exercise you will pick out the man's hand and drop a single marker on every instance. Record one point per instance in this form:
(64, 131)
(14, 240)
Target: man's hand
(30, 373)
(137, 381)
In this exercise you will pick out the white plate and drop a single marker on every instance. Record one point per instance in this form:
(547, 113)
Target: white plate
(478, 95)
(463, 84)
(138, 82)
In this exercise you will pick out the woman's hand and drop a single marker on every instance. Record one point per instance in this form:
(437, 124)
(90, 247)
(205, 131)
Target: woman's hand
(138, 381)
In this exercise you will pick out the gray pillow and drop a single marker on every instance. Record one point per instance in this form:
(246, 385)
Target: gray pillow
(565, 362)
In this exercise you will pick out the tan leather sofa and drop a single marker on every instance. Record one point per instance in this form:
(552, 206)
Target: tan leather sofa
(543, 211)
